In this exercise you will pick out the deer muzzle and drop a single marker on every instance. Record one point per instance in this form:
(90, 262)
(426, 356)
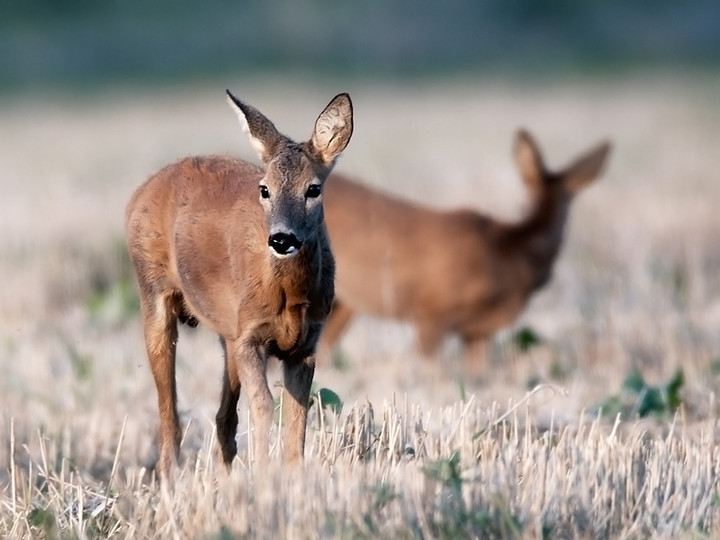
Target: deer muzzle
(284, 244)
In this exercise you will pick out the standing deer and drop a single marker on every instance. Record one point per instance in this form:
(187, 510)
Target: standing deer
(245, 251)
(449, 272)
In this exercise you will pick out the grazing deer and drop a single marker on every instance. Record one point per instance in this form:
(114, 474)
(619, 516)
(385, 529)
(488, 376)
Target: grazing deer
(245, 251)
(448, 272)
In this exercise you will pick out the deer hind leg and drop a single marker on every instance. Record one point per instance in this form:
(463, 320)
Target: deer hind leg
(250, 364)
(298, 374)
(160, 328)
(430, 336)
(337, 322)
(226, 419)
(476, 355)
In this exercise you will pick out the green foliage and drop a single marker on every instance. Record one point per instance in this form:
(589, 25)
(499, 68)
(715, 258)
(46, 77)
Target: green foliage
(456, 519)
(526, 338)
(112, 298)
(326, 399)
(339, 360)
(384, 495)
(637, 398)
(43, 521)
(115, 303)
(559, 370)
(447, 472)
(224, 534)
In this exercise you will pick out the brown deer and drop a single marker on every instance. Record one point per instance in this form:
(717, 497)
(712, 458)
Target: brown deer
(448, 272)
(244, 251)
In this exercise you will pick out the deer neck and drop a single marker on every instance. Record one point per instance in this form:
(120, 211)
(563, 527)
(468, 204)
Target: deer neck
(297, 294)
(293, 276)
(535, 242)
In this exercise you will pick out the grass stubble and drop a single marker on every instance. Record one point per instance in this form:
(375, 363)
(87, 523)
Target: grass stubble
(399, 471)
(418, 450)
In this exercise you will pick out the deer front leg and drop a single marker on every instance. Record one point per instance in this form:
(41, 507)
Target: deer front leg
(251, 364)
(298, 374)
(226, 420)
(160, 328)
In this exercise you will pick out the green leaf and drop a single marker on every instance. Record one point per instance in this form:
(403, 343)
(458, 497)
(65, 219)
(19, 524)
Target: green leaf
(330, 399)
(115, 303)
(651, 401)
(526, 338)
(42, 519)
(327, 398)
(637, 397)
(634, 382)
(446, 471)
(672, 389)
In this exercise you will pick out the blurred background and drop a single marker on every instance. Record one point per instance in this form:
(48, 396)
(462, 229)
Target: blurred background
(83, 44)
(96, 96)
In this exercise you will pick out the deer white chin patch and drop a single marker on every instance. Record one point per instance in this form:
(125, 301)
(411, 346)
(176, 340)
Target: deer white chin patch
(291, 253)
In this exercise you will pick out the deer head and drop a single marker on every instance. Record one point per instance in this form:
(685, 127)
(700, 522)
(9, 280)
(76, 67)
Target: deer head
(291, 190)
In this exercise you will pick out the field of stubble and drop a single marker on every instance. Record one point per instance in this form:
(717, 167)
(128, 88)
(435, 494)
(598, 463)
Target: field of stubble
(418, 450)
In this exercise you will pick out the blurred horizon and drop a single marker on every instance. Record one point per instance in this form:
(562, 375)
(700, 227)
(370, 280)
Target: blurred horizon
(79, 44)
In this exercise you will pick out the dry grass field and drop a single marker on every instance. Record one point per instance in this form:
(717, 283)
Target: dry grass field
(419, 450)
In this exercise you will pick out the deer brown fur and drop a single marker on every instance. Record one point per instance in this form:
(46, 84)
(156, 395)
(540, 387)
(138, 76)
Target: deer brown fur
(448, 272)
(243, 250)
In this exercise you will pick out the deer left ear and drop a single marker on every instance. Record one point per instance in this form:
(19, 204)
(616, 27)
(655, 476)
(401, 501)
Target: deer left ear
(265, 139)
(332, 132)
(529, 161)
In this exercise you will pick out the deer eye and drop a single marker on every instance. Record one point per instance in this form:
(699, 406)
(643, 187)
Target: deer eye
(264, 193)
(313, 191)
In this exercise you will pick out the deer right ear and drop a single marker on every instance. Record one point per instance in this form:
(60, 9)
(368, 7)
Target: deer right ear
(529, 161)
(332, 132)
(586, 168)
(264, 137)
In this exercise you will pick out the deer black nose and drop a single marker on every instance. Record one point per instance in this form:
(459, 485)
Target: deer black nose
(284, 243)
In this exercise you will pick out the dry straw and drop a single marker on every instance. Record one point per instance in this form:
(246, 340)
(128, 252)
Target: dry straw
(400, 471)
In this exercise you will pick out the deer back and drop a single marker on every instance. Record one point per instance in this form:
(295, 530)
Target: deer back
(457, 269)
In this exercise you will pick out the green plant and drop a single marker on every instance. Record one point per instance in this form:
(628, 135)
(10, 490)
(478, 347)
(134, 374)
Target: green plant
(636, 397)
(339, 360)
(526, 338)
(324, 398)
(114, 303)
(457, 520)
(112, 298)
(43, 521)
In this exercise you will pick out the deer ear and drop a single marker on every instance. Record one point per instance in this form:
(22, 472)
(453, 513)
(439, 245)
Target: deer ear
(529, 161)
(332, 132)
(586, 168)
(264, 137)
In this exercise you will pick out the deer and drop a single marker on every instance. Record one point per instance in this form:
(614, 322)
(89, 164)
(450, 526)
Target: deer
(455, 272)
(244, 250)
